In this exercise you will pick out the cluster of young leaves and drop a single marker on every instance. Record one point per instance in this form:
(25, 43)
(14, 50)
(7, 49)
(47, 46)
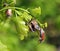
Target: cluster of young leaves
(36, 12)
(20, 18)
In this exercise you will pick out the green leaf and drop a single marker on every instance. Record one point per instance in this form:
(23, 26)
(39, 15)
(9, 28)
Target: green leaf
(21, 28)
(36, 11)
(45, 24)
(26, 16)
(19, 13)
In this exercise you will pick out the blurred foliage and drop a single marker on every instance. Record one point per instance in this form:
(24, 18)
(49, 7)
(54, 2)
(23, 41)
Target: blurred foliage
(3, 47)
(44, 11)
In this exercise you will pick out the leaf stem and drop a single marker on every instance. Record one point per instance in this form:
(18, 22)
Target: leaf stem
(14, 8)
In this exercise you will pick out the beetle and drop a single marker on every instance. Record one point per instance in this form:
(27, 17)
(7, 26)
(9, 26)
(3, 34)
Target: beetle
(8, 12)
(42, 35)
(33, 25)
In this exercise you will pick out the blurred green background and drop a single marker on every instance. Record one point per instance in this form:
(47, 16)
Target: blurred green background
(50, 13)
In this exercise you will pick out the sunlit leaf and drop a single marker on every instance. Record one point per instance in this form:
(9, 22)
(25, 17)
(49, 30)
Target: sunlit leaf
(21, 27)
(45, 24)
(36, 12)
(19, 13)
(26, 16)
